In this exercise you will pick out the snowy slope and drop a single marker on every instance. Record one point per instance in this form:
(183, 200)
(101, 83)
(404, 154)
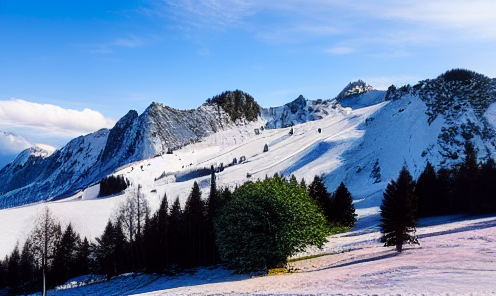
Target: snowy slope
(87, 159)
(364, 147)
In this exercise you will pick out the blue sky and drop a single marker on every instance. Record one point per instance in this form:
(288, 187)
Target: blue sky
(68, 68)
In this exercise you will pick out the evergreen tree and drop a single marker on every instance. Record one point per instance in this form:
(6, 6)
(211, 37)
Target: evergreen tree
(194, 216)
(177, 239)
(426, 190)
(214, 202)
(65, 256)
(487, 188)
(82, 261)
(398, 212)
(27, 268)
(303, 184)
(466, 183)
(111, 251)
(319, 193)
(342, 207)
(13, 270)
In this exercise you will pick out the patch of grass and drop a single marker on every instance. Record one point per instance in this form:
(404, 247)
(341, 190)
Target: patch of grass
(276, 271)
(307, 257)
(335, 229)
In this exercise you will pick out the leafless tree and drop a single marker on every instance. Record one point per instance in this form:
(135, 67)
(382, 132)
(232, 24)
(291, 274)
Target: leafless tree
(45, 236)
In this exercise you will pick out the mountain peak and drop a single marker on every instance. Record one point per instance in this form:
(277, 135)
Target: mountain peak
(354, 88)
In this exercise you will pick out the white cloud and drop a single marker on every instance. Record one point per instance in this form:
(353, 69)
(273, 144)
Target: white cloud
(12, 144)
(339, 50)
(51, 119)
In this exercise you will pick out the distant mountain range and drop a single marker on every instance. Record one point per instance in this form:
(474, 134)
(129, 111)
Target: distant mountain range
(428, 121)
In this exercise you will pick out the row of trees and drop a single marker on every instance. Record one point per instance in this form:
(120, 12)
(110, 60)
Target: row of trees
(48, 258)
(465, 188)
(276, 216)
(112, 184)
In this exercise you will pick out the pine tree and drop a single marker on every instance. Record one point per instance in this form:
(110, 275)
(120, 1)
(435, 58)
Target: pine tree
(214, 203)
(466, 183)
(82, 264)
(426, 190)
(65, 256)
(486, 185)
(398, 212)
(319, 193)
(194, 215)
(177, 239)
(342, 207)
(303, 184)
(27, 267)
(13, 269)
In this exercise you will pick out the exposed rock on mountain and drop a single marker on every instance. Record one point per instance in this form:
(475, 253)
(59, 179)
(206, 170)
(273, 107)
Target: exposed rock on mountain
(298, 111)
(36, 176)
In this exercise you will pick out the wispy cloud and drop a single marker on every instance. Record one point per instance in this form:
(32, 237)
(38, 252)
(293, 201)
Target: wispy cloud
(399, 24)
(129, 42)
(51, 119)
(339, 50)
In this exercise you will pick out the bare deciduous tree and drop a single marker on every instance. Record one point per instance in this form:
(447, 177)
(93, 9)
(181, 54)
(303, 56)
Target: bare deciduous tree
(45, 237)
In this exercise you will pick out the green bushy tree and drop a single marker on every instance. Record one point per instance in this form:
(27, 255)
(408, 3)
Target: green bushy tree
(265, 223)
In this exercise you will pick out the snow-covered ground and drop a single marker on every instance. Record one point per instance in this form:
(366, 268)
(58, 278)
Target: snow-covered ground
(454, 258)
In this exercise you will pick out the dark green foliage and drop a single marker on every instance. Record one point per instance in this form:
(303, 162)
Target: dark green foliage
(426, 190)
(399, 212)
(458, 75)
(237, 104)
(111, 250)
(65, 257)
(82, 261)
(303, 184)
(176, 237)
(322, 197)
(342, 208)
(112, 185)
(266, 222)
(466, 182)
(195, 222)
(13, 270)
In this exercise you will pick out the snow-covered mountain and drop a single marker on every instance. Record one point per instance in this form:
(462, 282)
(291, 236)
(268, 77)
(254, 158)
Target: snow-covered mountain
(365, 137)
(36, 175)
(11, 145)
(364, 140)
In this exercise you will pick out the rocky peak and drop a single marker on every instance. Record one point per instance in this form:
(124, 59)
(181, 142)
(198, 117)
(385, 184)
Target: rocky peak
(353, 89)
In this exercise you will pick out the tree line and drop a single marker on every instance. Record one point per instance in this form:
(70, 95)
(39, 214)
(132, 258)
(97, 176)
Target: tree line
(174, 238)
(467, 187)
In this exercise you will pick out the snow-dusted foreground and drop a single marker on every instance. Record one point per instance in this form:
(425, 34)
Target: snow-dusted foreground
(455, 258)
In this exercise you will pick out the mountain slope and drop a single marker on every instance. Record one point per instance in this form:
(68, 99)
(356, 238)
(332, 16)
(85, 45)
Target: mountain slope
(86, 159)
(11, 145)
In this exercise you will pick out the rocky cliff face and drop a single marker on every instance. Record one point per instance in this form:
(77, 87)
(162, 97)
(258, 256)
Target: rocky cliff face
(36, 176)
(298, 111)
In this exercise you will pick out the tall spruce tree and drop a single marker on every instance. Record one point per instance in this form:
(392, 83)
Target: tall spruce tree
(194, 215)
(427, 192)
(177, 241)
(466, 183)
(65, 256)
(343, 210)
(319, 193)
(398, 212)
